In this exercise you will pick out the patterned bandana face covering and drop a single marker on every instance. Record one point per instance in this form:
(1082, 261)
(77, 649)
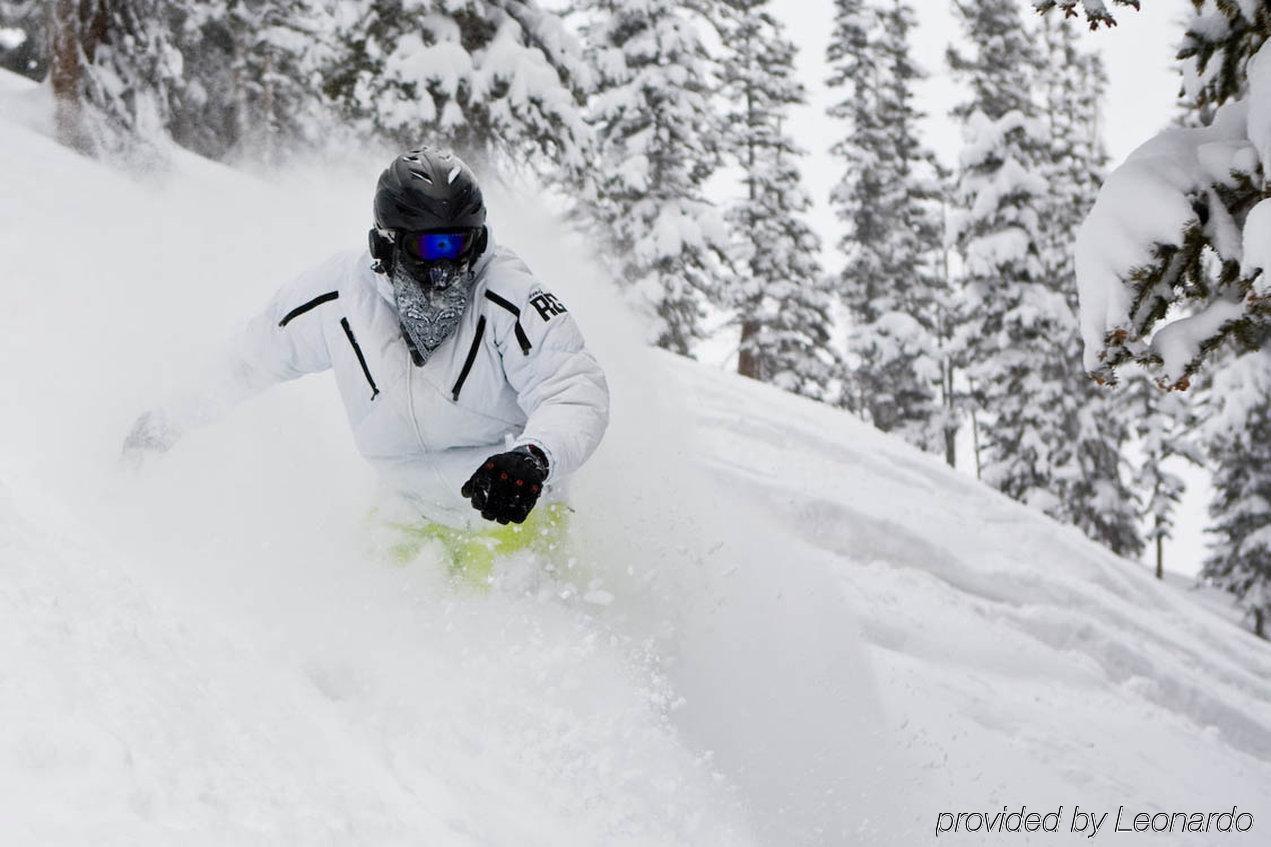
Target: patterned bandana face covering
(431, 313)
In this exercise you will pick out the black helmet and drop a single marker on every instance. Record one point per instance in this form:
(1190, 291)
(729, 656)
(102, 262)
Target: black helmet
(426, 190)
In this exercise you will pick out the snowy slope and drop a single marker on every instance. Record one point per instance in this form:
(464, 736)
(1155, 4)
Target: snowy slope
(799, 631)
(1001, 639)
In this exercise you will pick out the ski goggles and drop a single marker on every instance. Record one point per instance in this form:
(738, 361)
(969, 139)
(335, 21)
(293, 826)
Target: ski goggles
(439, 246)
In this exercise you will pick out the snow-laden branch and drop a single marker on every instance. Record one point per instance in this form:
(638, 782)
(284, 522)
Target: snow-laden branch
(1183, 196)
(1096, 10)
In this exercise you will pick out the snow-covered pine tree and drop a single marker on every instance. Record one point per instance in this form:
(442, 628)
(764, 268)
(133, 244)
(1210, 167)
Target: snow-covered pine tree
(1095, 479)
(114, 71)
(1018, 319)
(658, 143)
(954, 398)
(252, 77)
(890, 281)
(855, 60)
(1074, 85)
(780, 293)
(205, 116)
(1092, 474)
(920, 320)
(500, 81)
(1238, 429)
(1163, 424)
(282, 47)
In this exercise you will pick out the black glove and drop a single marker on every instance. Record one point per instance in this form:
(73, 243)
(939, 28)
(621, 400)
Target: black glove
(507, 486)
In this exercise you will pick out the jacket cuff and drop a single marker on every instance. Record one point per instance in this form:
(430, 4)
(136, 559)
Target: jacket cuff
(547, 451)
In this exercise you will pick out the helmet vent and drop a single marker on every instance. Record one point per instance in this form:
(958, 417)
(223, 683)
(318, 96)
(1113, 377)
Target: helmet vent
(419, 175)
(454, 172)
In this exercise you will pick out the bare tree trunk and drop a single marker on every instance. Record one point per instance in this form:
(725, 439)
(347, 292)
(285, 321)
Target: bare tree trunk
(1160, 554)
(947, 365)
(747, 361)
(747, 355)
(950, 431)
(65, 72)
(975, 438)
(75, 30)
(975, 433)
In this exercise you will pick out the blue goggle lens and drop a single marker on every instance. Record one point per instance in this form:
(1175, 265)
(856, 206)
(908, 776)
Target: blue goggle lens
(440, 246)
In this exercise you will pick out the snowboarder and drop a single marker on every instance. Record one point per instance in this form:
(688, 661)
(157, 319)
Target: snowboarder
(465, 380)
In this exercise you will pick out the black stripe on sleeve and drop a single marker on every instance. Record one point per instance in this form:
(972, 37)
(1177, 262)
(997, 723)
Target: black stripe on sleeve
(312, 304)
(521, 338)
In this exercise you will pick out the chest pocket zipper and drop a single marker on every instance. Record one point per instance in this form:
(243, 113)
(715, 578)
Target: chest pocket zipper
(472, 357)
(361, 360)
(521, 338)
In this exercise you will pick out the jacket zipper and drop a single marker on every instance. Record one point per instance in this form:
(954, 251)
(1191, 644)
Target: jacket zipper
(410, 404)
(361, 360)
(472, 357)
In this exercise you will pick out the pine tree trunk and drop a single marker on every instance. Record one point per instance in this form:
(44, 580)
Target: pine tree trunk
(747, 358)
(1160, 554)
(747, 361)
(1259, 624)
(65, 72)
(975, 438)
(950, 430)
(75, 31)
(947, 365)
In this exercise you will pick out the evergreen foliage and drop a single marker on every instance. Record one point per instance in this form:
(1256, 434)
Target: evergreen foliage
(1221, 39)
(1016, 313)
(658, 143)
(1094, 478)
(891, 281)
(1239, 443)
(1163, 425)
(779, 292)
(1208, 202)
(1096, 11)
(283, 43)
(252, 81)
(855, 60)
(500, 81)
(115, 70)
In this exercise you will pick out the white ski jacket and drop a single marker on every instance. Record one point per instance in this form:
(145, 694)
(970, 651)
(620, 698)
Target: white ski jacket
(515, 372)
